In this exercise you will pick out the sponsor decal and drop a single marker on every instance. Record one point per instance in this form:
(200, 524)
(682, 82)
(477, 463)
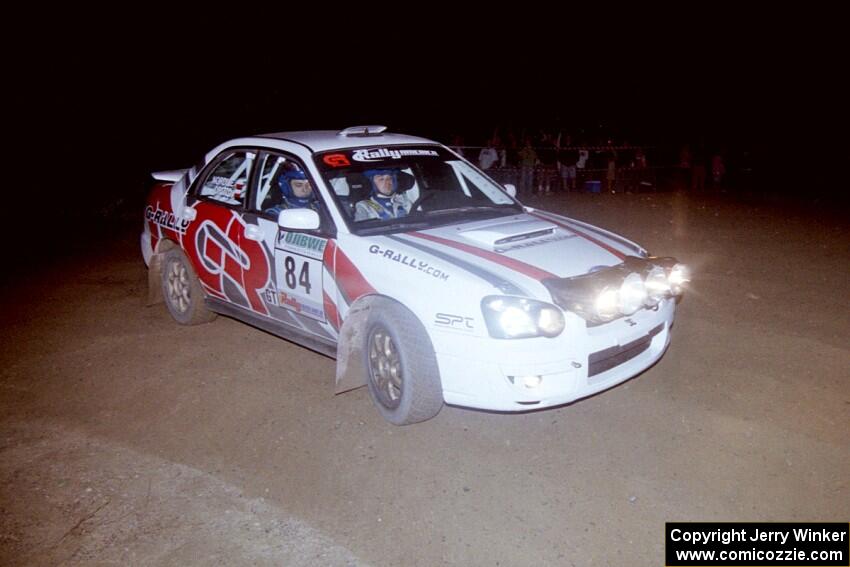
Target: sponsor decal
(382, 154)
(336, 160)
(222, 189)
(455, 322)
(408, 261)
(230, 268)
(310, 246)
(293, 303)
(496, 280)
(271, 295)
(166, 219)
(536, 242)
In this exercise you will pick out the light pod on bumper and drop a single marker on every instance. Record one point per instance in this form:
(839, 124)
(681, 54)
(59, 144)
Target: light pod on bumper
(679, 276)
(614, 291)
(632, 294)
(657, 285)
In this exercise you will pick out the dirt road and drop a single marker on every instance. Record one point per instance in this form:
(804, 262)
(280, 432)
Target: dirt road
(127, 439)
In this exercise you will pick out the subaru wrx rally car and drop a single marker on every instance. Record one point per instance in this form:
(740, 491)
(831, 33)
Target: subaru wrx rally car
(425, 279)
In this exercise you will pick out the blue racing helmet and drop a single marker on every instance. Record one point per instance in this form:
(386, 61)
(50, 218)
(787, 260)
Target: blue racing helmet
(371, 173)
(289, 194)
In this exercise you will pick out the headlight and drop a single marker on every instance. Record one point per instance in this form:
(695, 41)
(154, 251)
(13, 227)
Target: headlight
(517, 318)
(607, 304)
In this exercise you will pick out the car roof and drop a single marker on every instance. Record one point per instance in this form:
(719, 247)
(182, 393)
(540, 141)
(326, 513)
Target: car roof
(323, 140)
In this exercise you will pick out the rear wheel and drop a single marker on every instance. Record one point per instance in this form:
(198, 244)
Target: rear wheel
(404, 380)
(182, 290)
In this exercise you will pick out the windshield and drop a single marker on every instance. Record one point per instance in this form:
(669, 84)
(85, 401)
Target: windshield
(387, 188)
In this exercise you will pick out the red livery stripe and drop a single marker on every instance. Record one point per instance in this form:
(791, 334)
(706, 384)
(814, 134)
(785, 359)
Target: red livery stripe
(330, 311)
(516, 265)
(349, 280)
(584, 235)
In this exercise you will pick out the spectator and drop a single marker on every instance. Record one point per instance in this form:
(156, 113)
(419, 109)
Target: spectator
(567, 168)
(527, 161)
(488, 155)
(685, 163)
(583, 156)
(546, 166)
(457, 144)
(718, 169)
(698, 171)
(639, 171)
(581, 164)
(611, 174)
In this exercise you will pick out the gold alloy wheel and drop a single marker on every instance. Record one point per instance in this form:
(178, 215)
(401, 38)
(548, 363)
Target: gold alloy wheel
(385, 367)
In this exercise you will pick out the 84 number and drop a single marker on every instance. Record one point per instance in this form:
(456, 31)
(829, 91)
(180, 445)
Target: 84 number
(303, 276)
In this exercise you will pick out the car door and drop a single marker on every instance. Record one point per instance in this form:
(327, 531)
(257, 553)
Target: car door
(294, 292)
(229, 265)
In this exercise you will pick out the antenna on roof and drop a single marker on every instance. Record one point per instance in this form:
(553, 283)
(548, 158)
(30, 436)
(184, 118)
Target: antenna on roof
(362, 131)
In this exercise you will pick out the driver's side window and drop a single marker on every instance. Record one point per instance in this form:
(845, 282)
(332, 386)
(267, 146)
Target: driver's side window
(283, 184)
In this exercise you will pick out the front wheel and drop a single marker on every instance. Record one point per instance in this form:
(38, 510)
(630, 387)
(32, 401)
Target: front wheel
(404, 379)
(182, 290)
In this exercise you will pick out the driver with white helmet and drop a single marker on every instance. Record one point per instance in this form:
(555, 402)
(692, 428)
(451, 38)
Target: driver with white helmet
(384, 201)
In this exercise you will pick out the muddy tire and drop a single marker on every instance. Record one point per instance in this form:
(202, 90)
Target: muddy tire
(182, 291)
(403, 376)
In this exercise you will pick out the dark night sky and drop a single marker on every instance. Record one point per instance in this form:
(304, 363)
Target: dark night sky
(155, 100)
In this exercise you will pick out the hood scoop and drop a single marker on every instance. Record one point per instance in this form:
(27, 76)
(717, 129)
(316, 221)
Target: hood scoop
(499, 234)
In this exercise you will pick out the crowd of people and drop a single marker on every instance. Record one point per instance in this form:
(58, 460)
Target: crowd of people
(549, 163)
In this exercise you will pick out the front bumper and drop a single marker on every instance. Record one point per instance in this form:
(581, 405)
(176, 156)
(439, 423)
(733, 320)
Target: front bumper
(578, 363)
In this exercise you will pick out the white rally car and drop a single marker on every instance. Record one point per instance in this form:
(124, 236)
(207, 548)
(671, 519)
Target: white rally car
(425, 279)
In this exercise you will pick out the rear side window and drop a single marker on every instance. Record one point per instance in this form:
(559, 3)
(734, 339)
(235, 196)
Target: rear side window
(227, 183)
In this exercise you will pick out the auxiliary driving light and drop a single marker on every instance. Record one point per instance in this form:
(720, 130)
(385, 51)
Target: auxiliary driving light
(657, 285)
(680, 275)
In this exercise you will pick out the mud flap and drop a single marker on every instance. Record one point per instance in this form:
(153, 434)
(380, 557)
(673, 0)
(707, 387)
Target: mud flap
(155, 281)
(350, 370)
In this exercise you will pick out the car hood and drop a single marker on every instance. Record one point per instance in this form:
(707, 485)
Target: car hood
(535, 244)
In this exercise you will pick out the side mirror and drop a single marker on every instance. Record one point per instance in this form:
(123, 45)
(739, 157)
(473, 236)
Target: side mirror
(298, 219)
(511, 189)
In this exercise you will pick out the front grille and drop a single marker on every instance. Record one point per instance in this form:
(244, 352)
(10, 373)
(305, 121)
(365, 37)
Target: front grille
(604, 360)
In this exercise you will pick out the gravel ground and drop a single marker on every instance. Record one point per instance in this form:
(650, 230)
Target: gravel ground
(127, 439)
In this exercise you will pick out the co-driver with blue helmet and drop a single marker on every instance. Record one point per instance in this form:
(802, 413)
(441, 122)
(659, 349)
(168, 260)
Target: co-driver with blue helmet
(296, 191)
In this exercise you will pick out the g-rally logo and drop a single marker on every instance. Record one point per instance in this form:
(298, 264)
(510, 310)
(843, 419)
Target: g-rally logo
(336, 160)
(382, 154)
(166, 219)
(408, 261)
